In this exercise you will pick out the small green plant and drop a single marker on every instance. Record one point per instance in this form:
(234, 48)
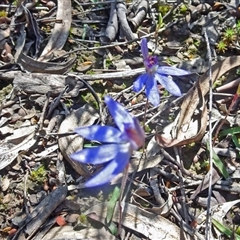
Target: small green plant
(229, 35)
(108, 62)
(221, 46)
(183, 9)
(39, 175)
(90, 72)
(238, 71)
(83, 219)
(3, 13)
(163, 9)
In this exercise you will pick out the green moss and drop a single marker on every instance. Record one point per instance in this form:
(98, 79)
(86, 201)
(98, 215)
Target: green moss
(238, 71)
(229, 35)
(90, 72)
(39, 175)
(108, 62)
(83, 219)
(165, 93)
(164, 9)
(89, 98)
(4, 91)
(3, 13)
(219, 82)
(183, 9)
(147, 129)
(221, 46)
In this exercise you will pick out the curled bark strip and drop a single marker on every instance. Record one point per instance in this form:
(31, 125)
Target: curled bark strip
(60, 30)
(33, 66)
(124, 26)
(191, 102)
(41, 83)
(196, 127)
(112, 26)
(9, 75)
(140, 14)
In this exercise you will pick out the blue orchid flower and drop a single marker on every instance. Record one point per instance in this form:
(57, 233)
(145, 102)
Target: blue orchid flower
(155, 74)
(119, 144)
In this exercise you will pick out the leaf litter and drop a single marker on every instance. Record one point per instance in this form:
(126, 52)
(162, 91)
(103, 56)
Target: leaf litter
(60, 59)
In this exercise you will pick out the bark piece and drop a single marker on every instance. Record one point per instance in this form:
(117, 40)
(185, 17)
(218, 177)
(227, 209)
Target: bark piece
(60, 30)
(124, 26)
(112, 26)
(83, 116)
(140, 15)
(32, 83)
(40, 214)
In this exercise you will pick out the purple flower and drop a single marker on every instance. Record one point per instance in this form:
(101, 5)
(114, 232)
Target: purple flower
(119, 144)
(155, 74)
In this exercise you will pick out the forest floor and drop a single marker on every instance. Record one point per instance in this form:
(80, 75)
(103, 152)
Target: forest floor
(59, 59)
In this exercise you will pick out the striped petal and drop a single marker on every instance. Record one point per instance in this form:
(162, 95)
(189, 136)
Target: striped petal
(97, 155)
(152, 92)
(140, 82)
(172, 71)
(168, 84)
(120, 115)
(112, 169)
(105, 134)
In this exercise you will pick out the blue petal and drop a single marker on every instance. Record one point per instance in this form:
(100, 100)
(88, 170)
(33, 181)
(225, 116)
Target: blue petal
(97, 155)
(140, 82)
(168, 84)
(152, 92)
(113, 168)
(104, 134)
(144, 48)
(172, 71)
(120, 115)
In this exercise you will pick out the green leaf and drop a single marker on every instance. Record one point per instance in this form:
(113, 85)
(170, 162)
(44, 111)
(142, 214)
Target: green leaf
(232, 131)
(112, 203)
(160, 21)
(218, 163)
(110, 210)
(235, 141)
(225, 230)
(113, 228)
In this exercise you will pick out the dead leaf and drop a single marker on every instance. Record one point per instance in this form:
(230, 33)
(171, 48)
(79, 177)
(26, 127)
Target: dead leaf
(205, 182)
(218, 211)
(150, 225)
(68, 233)
(20, 134)
(143, 192)
(9, 152)
(5, 183)
(34, 66)
(192, 132)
